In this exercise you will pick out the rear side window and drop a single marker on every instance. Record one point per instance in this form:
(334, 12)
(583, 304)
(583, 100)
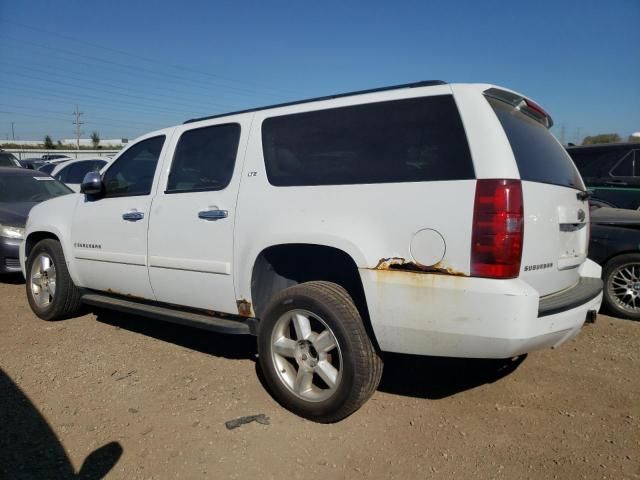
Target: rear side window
(75, 173)
(412, 140)
(539, 156)
(8, 160)
(629, 166)
(204, 159)
(595, 162)
(48, 168)
(133, 171)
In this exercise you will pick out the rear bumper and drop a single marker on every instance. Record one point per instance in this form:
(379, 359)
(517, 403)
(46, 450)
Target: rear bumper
(9, 262)
(453, 316)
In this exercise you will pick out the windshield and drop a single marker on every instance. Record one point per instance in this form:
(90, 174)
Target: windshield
(8, 160)
(27, 188)
(540, 157)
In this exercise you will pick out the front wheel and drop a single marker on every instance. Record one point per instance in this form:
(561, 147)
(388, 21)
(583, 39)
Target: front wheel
(315, 354)
(621, 276)
(50, 290)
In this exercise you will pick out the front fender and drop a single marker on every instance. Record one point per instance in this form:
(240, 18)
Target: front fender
(53, 218)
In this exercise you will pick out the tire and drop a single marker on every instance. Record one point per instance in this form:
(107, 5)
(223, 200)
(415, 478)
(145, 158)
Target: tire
(621, 277)
(314, 352)
(50, 290)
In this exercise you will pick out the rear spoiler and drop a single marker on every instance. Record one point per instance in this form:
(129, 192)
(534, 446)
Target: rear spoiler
(526, 106)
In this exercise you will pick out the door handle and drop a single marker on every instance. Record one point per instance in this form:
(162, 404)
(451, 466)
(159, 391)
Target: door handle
(213, 214)
(132, 216)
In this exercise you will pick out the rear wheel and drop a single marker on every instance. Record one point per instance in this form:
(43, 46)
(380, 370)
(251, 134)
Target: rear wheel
(315, 354)
(621, 277)
(50, 290)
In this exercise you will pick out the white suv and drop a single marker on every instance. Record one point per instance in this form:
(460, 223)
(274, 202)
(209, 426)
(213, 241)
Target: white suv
(428, 219)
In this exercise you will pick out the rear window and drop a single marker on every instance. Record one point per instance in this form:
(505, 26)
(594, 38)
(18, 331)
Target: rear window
(412, 140)
(8, 160)
(48, 168)
(75, 172)
(539, 156)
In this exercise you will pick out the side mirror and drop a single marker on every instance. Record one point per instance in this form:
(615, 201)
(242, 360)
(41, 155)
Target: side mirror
(92, 184)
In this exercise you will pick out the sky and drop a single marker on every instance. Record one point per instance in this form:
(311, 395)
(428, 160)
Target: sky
(135, 66)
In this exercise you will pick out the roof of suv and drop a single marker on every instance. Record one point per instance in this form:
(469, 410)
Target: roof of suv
(424, 83)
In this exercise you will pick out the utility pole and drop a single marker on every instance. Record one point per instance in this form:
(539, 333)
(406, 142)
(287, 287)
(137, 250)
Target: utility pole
(77, 123)
(13, 133)
(562, 134)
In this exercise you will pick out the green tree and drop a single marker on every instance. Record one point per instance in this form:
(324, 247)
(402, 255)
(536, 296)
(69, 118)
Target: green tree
(602, 138)
(95, 139)
(48, 143)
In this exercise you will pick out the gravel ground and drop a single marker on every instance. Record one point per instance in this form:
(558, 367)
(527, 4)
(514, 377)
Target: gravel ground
(122, 396)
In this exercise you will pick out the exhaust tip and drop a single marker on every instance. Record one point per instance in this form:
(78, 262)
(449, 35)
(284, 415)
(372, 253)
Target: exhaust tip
(592, 315)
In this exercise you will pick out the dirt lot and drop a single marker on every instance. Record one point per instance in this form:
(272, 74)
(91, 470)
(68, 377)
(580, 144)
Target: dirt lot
(142, 399)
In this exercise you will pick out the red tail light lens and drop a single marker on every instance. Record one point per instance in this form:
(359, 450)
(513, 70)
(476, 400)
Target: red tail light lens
(498, 229)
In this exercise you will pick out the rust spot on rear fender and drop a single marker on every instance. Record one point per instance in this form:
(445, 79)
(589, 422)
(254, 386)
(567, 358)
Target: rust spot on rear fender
(401, 264)
(244, 308)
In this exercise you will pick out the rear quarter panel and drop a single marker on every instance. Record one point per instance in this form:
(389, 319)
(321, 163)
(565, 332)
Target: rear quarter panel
(370, 222)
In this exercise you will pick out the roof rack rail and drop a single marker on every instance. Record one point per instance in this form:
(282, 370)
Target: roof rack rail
(424, 83)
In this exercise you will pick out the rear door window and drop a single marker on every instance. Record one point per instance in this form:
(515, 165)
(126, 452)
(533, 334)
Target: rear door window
(411, 140)
(204, 159)
(539, 156)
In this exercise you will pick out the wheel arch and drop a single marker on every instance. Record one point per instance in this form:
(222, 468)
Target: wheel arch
(280, 266)
(617, 254)
(36, 236)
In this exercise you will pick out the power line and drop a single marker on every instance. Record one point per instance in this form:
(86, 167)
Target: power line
(46, 117)
(125, 87)
(129, 66)
(67, 98)
(117, 124)
(108, 92)
(147, 59)
(124, 102)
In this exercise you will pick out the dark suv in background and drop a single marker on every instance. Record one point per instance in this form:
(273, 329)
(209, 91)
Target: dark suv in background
(611, 172)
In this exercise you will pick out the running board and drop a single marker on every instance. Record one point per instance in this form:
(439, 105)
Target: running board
(244, 326)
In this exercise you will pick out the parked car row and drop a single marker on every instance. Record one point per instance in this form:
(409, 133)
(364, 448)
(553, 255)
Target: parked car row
(61, 167)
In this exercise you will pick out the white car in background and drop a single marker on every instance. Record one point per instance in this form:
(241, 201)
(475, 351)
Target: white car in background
(72, 173)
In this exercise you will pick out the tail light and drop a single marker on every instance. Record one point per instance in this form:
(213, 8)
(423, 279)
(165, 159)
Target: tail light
(498, 229)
